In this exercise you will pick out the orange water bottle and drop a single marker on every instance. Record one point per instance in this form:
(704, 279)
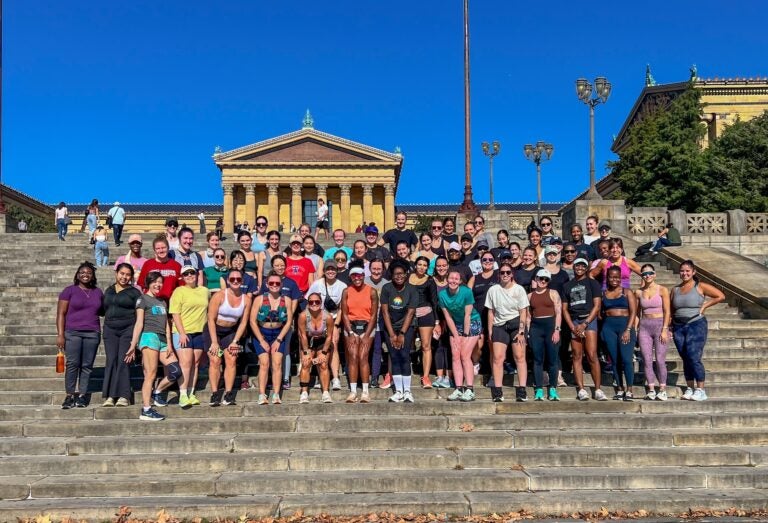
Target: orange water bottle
(60, 362)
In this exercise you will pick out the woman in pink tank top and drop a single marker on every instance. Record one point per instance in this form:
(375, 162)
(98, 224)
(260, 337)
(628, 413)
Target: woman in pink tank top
(615, 257)
(653, 312)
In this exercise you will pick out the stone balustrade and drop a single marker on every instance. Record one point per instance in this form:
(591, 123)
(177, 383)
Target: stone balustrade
(650, 220)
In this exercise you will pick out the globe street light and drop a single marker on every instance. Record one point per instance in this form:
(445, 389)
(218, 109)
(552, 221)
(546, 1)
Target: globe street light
(491, 150)
(542, 151)
(584, 92)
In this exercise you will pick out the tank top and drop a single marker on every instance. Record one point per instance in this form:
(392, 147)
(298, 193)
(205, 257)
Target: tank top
(626, 273)
(687, 306)
(265, 270)
(652, 305)
(267, 314)
(250, 266)
(323, 331)
(227, 312)
(615, 303)
(542, 305)
(359, 303)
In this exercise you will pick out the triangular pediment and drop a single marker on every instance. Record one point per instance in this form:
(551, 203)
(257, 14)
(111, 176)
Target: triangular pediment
(306, 146)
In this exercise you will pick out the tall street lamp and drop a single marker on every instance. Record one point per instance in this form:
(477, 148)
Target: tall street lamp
(584, 92)
(468, 205)
(538, 153)
(491, 150)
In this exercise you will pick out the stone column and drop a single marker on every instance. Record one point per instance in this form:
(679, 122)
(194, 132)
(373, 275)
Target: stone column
(389, 206)
(367, 202)
(229, 208)
(250, 203)
(322, 191)
(273, 205)
(345, 206)
(296, 215)
(679, 219)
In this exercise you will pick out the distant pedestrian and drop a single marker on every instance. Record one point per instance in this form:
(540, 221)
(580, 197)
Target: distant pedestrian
(21, 226)
(101, 246)
(116, 217)
(62, 219)
(322, 219)
(201, 219)
(92, 217)
(220, 228)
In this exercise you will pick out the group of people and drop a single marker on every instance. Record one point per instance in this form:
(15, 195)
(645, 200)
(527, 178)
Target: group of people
(440, 303)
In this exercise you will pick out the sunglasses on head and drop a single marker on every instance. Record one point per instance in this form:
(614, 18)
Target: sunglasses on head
(235, 280)
(505, 273)
(314, 302)
(647, 273)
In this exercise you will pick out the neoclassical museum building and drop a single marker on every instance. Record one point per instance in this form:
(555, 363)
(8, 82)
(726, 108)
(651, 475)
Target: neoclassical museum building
(283, 177)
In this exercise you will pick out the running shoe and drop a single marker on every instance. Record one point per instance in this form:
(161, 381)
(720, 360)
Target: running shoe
(508, 368)
(498, 399)
(699, 395)
(184, 402)
(122, 402)
(365, 398)
(476, 366)
(600, 395)
(304, 397)
(193, 400)
(317, 383)
(151, 415)
(336, 384)
(244, 384)
(276, 399)
(397, 397)
(560, 381)
(68, 403)
(521, 394)
(426, 383)
(538, 395)
(651, 395)
(216, 398)
(469, 395)
(157, 399)
(327, 397)
(688, 394)
(80, 402)
(553, 396)
(438, 383)
(352, 398)
(387, 383)
(662, 395)
(263, 399)
(628, 396)
(407, 397)
(455, 395)
(286, 384)
(619, 395)
(374, 384)
(109, 402)
(229, 398)
(582, 395)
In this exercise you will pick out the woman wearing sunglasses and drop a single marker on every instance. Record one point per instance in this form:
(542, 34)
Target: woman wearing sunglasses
(228, 313)
(443, 364)
(270, 322)
(315, 327)
(260, 236)
(544, 324)
(480, 283)
(331, 290)
(619, 308)
(653, 309)
(507, 305)
(216, 273)
(237, 262)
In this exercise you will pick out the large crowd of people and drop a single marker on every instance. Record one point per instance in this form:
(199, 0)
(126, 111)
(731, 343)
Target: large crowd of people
(443, 305)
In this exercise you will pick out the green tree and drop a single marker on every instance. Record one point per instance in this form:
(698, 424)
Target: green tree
(34, 223)
(423, 223)
(737, 167)
(662, 164)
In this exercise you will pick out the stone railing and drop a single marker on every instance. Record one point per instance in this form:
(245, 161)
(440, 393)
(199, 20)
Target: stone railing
(650, 220)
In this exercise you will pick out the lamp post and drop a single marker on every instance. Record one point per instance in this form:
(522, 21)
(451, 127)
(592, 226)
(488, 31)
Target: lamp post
(542, 151)
(468, 205)
(491, 150)
(584, 92)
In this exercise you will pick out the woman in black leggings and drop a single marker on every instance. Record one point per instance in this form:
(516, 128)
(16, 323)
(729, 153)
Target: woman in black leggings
(544, 334)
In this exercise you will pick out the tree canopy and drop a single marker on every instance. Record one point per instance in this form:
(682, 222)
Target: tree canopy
(663, 164)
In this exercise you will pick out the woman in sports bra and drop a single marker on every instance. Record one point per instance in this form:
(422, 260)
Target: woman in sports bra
(616, 258)
(270, 321)
(689, 326)
(227, 320)
(315, 327)
(653, 334)
(544, 326)
(359, 311)
(618, 310)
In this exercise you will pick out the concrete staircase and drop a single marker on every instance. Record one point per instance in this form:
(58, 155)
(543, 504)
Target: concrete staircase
(432, 456)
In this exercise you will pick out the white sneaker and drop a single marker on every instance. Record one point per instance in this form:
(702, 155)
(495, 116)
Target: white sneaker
(662, 395)
(477, 368)
(699, 395)
(397, 397)
(455, 395)
(582, 395)
(600, 395)
(688, 394)
(327, 397)
(469, 395)
(651, 395)
(304, 397)
(336, 384)
(317, 383)
(407, 396)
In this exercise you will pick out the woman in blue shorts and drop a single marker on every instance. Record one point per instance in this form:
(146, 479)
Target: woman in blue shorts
(270, 323)
(151, 335)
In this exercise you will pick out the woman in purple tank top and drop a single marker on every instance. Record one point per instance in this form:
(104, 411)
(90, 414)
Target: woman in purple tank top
(653, 335)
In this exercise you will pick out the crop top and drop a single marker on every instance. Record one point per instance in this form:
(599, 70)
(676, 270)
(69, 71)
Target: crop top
(267, 314)
(615, 303)
(652, 305)
(542, 305)
(323, 331)
(227, 312)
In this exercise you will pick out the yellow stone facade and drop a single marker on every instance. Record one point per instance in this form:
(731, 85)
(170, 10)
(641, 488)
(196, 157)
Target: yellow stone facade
(282, 178)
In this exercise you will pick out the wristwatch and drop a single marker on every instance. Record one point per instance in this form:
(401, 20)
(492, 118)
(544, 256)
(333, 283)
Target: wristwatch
(557, 329)
(278, 340)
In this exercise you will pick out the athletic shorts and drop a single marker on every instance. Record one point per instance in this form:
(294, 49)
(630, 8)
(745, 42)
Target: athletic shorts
(591, 326)
(506, 332)
(426, 321)
(322, 224)
(150, 340)
(270, 335)
(194, 341)
(475, 328)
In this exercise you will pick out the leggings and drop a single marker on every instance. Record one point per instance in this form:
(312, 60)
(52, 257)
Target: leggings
(117, 373)
(690, 339)
(542, 345)
(375, 354)
(443, 353)
(401, 359)
(648, 338)
(613, 329)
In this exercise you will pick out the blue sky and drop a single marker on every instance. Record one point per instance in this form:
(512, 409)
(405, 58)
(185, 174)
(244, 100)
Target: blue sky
(127, 100)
